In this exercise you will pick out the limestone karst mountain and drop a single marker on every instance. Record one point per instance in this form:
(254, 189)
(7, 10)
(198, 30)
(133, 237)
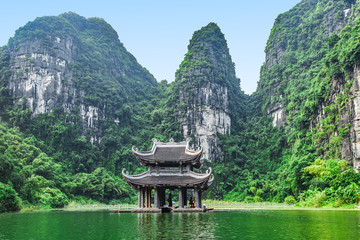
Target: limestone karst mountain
(209, 91)
(297, 88)
(73, 63)
(73, 100)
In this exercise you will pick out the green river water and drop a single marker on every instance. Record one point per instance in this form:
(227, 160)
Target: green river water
(247, 224)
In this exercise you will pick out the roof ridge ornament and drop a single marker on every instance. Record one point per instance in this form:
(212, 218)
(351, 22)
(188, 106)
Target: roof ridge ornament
(124, 172)
(171, 140)
(154, 140)
(134, 149)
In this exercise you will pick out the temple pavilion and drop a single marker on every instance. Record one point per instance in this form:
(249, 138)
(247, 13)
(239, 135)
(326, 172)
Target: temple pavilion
(170, 166)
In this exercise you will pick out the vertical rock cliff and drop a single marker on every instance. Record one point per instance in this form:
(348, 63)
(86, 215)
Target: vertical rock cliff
(351, 149)
(75, 64)
(206, 84)
(297, 43)
(310, 78)
(40, 76)
(341, 107)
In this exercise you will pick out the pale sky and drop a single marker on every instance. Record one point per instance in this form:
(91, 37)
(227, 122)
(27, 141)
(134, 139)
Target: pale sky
(157, 32)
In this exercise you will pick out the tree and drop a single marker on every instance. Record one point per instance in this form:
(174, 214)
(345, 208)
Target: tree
(9, 201)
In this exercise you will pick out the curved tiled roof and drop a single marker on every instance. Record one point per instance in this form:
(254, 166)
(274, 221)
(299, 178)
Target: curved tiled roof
(189, 180)
(168, 153)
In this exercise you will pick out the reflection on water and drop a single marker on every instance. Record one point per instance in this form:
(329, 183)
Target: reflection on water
(176, 226)
(217, 225)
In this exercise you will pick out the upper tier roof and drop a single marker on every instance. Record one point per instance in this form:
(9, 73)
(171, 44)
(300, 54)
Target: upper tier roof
(168, 179)
(168, 154)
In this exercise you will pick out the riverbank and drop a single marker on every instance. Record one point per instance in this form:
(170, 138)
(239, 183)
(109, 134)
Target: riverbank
(85, 207)
(236, 206)
(215, 204)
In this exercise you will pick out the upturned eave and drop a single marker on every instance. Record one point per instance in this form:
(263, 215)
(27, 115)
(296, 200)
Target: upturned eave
(169, 180)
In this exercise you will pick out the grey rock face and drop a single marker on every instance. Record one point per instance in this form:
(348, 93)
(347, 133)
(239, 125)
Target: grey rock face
(349, 115)
(206, 82)
(332, 23)
(278, 113)
(42, 76)
(351, 150)
(207, 115)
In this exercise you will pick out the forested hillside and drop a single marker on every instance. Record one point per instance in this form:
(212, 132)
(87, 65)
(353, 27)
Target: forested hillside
(308, 84)
(73, 101)
(69, 85)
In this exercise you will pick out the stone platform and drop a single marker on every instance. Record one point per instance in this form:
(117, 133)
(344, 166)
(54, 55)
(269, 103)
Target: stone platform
(188, 210)
(161, 210)
(146, 210)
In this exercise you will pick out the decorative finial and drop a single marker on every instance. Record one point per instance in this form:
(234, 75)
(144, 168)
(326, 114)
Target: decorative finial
(171, 140)
(124, 172)
(154, 140)
(133, 149)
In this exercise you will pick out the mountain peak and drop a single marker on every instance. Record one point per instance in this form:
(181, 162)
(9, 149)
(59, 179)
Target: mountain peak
(210, 34)
(208, 90)
(207, 52)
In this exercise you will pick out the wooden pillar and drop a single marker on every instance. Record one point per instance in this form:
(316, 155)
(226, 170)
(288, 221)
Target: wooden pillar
(181, 198)
(198, 198)
(162, 193)
(145, 198)
(149, 190)
(139, 197)
(142, 197)
(148, 197)
(156, 198)
(185, 196)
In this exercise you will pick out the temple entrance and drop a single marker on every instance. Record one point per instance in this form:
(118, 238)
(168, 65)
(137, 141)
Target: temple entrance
(170, 180)
(168, 197)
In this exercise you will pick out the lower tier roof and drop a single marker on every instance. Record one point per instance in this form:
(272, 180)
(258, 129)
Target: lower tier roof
(188, 180)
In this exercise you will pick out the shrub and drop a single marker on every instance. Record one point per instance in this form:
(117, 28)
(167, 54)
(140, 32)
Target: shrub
(315, 199)
(259, 192)
(249, 199)
(348, 195)
(258, 199)
(253, 190)
(53, 197)
(9, 201)
(290, 200)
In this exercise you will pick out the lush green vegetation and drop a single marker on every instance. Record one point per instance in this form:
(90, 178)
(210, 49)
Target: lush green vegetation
(49, 160)
(38, 180)
(304, 65)
(73, 169)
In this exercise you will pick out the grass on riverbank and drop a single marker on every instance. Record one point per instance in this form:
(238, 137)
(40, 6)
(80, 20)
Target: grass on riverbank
(218, 204)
